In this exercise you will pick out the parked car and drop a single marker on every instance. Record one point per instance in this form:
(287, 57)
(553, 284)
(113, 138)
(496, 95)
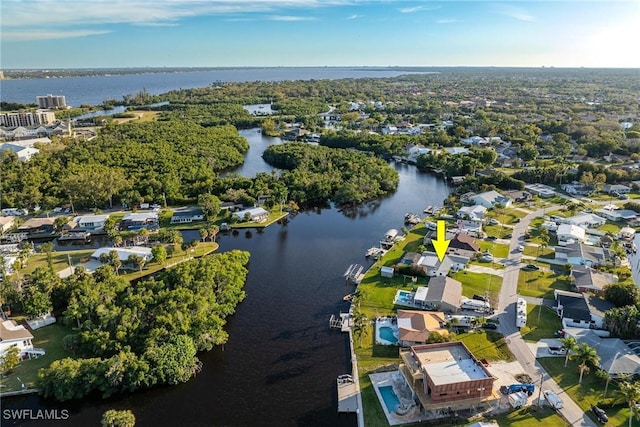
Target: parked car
(600, 414)
(494, 221)
(520, 248)
(531, 267)
(508, 236)
(489, 325)
(479, 297)
(554, 401)
(557, 351)
(623, 197)
(491, 238)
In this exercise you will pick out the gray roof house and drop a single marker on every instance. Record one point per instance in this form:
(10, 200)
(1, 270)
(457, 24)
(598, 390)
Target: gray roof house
(187, 214)
(615, 355)
(580, 310)
(581, 254)
(443, 294)
(589, 280)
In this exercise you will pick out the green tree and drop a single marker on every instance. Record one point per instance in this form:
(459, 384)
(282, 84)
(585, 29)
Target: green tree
(10, 360)
(36, 302)
(571, 345)
(137, 261)
(47, 248)
(586, 357)
(210, 206)
(630, 392)
(114, 418)
(159, 254)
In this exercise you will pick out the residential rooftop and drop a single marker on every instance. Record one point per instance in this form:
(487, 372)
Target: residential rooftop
(449, 364)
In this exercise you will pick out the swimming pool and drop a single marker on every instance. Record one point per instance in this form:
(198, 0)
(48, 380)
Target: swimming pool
(390, 399)
(386, 334)
(404, 298)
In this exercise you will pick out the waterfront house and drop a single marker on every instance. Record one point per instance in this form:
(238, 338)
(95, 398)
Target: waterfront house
(580, 310)
(125, 252)
(581, 254)
(490, 199)
(38, 227)
(414, 327)
(253, 214)
(446, 375)
(616, 357)
(432, 266)
(586, 279)
(138, 221)
(443, 294)
(569, 233)
(91, 222)
(14, 335)
(187, 214)
(472, 227)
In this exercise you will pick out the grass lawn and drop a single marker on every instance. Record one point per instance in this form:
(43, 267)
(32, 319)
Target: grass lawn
(50, 338)
(497, 230)
(140, 116)
(273, 217)
(486, 345)
(539, 252)
(508, 216)
(611, 227)
(498, 250)
(548, 324)
(60, 260)
(478, 283)
(590, 392)
(530, 416)
(541, 283)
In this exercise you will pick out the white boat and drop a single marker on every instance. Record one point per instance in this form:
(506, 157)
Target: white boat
(372, 252)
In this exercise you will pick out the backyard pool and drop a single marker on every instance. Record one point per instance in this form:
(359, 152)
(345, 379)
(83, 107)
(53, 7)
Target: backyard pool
(404, 298)
(390, 399)
(386, 331)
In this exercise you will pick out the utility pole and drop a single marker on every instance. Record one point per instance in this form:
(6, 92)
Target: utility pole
(540, 390)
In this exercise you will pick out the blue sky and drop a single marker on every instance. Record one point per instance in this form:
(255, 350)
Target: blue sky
(219, 33)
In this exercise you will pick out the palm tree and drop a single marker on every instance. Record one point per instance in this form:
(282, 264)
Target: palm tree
(630, 391)
(587, 357)
(360, 324)
(571, 345)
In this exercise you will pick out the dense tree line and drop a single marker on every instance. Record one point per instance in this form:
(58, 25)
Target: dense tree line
(315, 173)
(129, 336)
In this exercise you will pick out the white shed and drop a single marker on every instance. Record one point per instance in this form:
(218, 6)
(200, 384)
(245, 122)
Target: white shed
(386, 272)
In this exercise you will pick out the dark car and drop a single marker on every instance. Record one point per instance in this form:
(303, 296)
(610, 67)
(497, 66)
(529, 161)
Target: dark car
(600, 414)
(531, 267)
(491, 238)
(489, 325)
(480, 298)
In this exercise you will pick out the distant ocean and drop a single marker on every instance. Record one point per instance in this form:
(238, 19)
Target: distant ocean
(94, 90)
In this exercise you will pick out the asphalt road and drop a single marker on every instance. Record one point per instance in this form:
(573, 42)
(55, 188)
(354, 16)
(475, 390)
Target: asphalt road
(507, 313)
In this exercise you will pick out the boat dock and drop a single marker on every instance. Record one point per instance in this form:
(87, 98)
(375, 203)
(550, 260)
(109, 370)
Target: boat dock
(354, 274)
(343, 322)
(347, 394)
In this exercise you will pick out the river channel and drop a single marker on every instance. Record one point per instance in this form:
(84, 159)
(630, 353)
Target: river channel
(280, 364)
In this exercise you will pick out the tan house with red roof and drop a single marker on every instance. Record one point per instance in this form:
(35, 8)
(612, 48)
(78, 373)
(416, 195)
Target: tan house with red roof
(414, 327)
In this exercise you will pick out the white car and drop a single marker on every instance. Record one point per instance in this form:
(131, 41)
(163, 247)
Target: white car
(520, 248)
(557, 351)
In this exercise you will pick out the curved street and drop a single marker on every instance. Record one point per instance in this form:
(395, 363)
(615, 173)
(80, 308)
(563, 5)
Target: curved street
(571, 412)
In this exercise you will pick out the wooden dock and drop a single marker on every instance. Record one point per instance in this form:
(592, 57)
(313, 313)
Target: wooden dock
(343, 321)
(354, 274)
(347, 394)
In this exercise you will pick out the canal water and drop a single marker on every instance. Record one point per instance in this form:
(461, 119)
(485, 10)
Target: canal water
(280, 364)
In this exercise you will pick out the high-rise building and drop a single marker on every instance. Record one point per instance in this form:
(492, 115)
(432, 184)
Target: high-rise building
(27, 118)
(51, 101)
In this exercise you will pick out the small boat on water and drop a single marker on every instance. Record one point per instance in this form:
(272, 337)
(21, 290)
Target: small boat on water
(412, 219)
(372, 252)
(428, 209)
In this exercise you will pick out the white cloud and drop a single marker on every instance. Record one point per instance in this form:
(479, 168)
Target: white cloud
(447, 21)
(514, 12)
(412, 9)
(354, 16)
(290, 18)
(49, 35)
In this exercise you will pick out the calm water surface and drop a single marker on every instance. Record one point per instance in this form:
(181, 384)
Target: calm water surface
(281, 361)
(94, 90)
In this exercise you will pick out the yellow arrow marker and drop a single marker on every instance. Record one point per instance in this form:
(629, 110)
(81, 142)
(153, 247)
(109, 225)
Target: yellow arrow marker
(440, 244)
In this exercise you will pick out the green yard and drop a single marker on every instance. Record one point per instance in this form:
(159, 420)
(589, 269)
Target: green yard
(539, 252)
(478, 283)
(60, 260)
(498, 250)
(590, 392)
(273, 217)
(542, 322)
(529, 417)
(498, 231)
(50, 338)
(541, 284)
(486, 345)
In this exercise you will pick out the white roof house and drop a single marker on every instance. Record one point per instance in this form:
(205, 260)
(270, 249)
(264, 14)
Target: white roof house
(472, 212)
(257, 214)
(23, 153)
(586, 220)
(568, 233)
(456, 150)
(489, 199)
(123, 253)
(92, 222)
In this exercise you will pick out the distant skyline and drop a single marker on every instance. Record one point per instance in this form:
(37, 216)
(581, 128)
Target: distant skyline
(227, 33)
